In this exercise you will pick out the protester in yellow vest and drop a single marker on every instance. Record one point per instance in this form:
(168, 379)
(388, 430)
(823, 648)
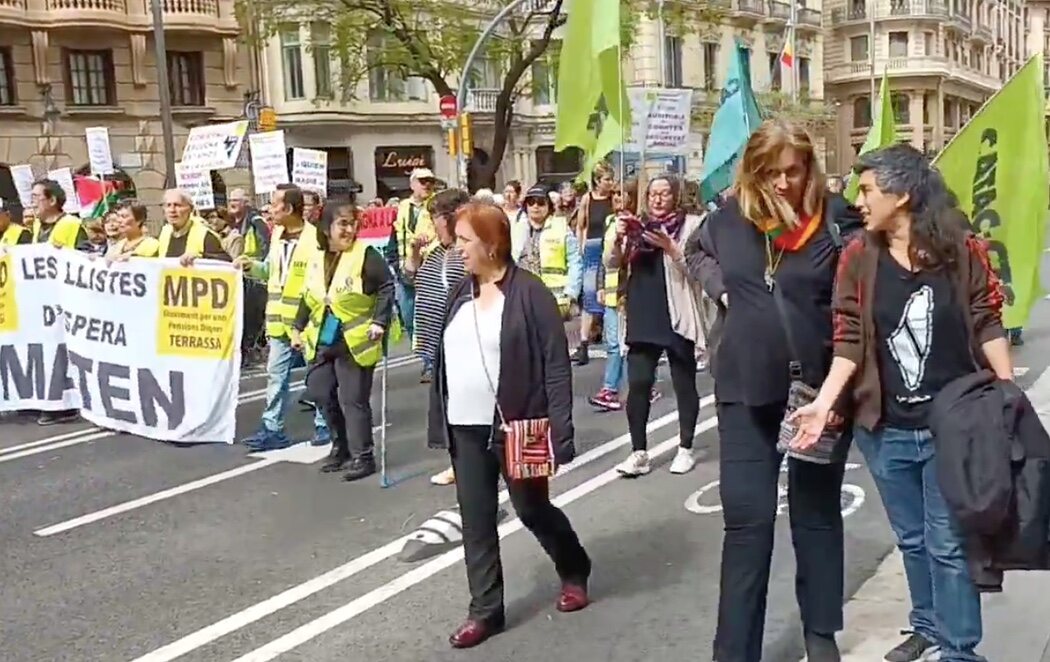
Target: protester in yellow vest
(134, 241)
(185, 235)
(293, 245)
(52, 224)
(547, 246)
(343, 324)
(412, 226)
(250, 224)
(12, 232)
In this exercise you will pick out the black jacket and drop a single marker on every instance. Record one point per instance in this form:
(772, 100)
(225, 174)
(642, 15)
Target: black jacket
(993, 467)
(535, 373)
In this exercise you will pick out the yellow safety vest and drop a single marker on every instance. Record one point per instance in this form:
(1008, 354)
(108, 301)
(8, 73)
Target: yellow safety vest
(13, 234)
(405, 235)
(283, 293)
(554, 256)
(63, 235)
(346, 299)
(148, 247)
(251, 242)
(194, 242)
(612, 276)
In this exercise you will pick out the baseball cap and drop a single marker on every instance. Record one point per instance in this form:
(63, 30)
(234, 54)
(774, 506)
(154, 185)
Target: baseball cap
(422, 173)
(537, 192)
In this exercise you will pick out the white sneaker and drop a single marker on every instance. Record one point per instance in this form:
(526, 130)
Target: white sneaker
(683, 461)
(636, 464)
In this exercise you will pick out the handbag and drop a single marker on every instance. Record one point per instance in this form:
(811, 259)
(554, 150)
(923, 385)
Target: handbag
(528, 451)
(800, 394)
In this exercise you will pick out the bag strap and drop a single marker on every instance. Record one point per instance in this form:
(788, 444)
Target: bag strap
(795, 365)
(481, 353)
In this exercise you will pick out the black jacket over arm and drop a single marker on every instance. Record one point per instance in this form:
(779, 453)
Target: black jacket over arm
(535, 373)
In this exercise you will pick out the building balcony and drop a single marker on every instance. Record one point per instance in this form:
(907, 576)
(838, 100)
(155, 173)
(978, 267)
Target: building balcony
(912, 66)
(778, 12)
(749, 9)
(809, 18)
(854, 13)
(982, 33)
(209, 16)
(481, 100)
(918, 9)
(961, 22)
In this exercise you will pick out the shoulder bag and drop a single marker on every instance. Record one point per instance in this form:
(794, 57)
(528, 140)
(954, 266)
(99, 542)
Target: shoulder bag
(527, 448)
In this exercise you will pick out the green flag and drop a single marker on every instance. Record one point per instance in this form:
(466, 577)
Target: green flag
(997, 166)
(883, 132)
(105, 205)
(589, 73)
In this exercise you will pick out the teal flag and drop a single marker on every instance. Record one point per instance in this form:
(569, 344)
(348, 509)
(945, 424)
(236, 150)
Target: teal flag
(734, 122)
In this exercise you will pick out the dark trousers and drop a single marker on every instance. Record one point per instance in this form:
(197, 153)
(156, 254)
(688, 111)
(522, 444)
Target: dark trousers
(748, 470)
(478, 468)
(342, 391)
(642, 361)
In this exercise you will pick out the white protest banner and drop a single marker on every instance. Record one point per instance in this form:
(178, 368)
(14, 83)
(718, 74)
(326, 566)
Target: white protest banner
(197, 184)
(23, 178)
(269, 160)
(99, 154)
(660, 120)
(64, 177)
(310, 169)
(215, 146)
(145, 347)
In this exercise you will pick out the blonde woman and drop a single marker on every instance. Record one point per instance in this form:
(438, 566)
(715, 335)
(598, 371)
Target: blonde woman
(774, 231)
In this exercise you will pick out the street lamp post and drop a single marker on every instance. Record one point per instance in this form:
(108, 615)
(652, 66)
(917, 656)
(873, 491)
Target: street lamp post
(167, 125)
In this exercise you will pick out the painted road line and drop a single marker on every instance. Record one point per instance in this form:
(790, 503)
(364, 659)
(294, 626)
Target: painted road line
(304, 453)
(72, 438)
(272, 605)
(153, 498)
(358, 606)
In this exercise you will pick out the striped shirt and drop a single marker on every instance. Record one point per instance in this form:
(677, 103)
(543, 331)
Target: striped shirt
(442, 269)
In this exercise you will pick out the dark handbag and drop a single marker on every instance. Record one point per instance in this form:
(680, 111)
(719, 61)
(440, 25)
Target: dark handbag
(527, 448)
(800, 394)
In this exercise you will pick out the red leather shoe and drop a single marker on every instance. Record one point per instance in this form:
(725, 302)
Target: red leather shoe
(472, 633)
(573, 598)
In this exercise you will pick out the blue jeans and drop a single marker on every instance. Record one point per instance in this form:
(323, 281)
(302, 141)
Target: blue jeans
(613, 359)
(406, 305)
(279, 367)
(946, 608)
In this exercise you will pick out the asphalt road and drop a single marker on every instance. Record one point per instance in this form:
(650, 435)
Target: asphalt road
(117, 548)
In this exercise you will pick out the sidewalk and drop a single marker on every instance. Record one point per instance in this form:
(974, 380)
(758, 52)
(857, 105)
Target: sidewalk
(1016, 621)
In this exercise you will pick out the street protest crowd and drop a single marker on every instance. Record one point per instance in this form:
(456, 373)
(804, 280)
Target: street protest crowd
(828, 321)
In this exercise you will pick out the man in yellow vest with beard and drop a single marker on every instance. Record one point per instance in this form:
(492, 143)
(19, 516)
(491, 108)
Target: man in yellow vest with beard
(548, 247)
(292, 245)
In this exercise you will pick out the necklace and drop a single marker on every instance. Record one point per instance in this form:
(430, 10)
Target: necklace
(771, 263)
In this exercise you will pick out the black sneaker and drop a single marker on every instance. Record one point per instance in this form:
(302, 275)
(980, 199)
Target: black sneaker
(822, 648)
(360, 467)
(56, 417)
(582, 356)
(915, 647)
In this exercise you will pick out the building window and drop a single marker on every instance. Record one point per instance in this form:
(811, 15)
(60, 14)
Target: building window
(90, 79)
(858, 48)
(774, 71)
(545, 75)
(898, 44)
(386, 83)
(928, 100)
(949, 113)
(803, 75)
(7, 78)
(710, 66)
(901, 110)
(672, 61)
(186, 78)
(566, 162)
(861, 112)
(292, 63)
(321, 45)
(929, 45)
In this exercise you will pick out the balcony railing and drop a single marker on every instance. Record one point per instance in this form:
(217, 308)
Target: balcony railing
(780, 11)
(961, 20)
(918, 8)
(752, 7)
(810, 17)
(482, 100)
(209, 16)
(850, 14)
(195, 7)
(983, 32)
(86, 5)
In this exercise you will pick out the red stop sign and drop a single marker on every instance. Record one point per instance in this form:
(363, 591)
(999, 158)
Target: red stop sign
(447, 106)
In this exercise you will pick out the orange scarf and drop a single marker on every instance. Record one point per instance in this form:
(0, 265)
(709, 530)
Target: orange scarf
(792, 240)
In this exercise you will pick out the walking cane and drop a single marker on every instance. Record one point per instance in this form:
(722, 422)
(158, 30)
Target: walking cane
(383, 482)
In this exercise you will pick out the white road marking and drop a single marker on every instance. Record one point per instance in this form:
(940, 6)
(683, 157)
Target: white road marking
(92, 434)
(1020, 372)
(272, 605)
(418, 575)
(152, 498)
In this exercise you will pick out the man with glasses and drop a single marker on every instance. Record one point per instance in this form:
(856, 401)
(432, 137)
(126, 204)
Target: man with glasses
(547, 246)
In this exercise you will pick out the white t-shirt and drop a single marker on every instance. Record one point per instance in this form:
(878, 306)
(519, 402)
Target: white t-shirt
(471, 400)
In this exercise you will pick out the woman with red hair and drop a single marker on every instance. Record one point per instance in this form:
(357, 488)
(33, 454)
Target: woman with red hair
(506, 409)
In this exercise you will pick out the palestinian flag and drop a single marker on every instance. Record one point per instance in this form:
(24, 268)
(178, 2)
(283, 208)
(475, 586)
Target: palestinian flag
(97, 196)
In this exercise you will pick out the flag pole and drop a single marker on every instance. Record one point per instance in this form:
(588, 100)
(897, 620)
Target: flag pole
(871, 55)
(792, 25)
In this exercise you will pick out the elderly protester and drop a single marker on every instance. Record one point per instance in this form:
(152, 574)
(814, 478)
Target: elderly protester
(775, 236)
(220, 221)
(917, 306)
(185, 235)
(133, 241)
(662, 308)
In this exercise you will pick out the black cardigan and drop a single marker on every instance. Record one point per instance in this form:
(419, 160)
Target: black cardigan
(535, 372)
